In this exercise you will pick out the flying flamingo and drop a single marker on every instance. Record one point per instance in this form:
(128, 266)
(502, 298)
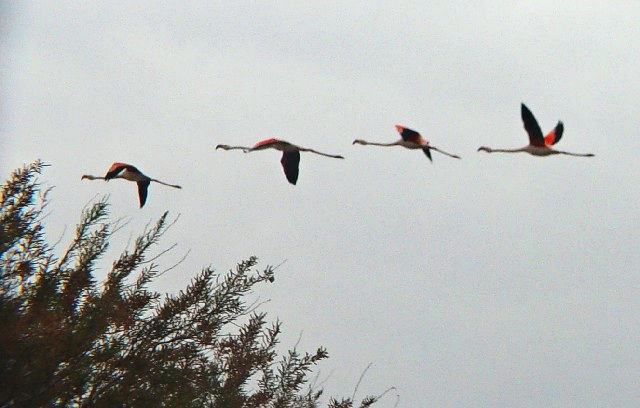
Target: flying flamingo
(290, 154)
(538, 145)
(411, 140)
(129, 172)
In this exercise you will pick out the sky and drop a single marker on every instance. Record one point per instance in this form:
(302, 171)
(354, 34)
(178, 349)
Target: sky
(495, 280)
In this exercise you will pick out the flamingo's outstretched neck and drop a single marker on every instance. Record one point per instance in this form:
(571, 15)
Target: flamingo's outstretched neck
(490, 150)
(364, 142)
(166, 184)
(227, 147)
(90, 177)
(443, 152)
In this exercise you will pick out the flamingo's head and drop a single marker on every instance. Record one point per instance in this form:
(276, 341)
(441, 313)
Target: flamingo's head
(485, 149)
(358, 141)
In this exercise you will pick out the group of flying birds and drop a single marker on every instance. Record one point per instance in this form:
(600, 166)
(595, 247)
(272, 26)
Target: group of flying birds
(539, 145)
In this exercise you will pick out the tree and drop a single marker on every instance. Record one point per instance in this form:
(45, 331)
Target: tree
(69, 340)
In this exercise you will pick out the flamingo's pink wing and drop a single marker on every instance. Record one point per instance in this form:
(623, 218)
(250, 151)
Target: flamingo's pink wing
(409, 135)
(116, 168)
(554, 136)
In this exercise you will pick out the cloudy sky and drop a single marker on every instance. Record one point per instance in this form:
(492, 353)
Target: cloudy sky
(495, 280)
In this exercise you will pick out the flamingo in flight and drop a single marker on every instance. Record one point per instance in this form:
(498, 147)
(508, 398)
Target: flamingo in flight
(290, 154)
(411, 140)
(539, 145)
(129, 172)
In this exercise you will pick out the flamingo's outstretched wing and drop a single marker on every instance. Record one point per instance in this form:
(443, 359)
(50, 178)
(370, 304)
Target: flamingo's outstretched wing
(267, 143)
(555, 135)
(427, 151)
(408, 135)
(142, 191)
(117, 168)
(532, 127)
(290, 163)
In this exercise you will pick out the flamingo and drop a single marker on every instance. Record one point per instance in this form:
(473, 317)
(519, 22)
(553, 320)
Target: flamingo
(129, 172)
(290, 154)
(411, 140)
(538, 145)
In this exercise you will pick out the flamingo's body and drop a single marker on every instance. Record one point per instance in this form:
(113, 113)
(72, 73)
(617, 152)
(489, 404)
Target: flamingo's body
(290, 155)
(129, 172)
(539, 145)
(410, 140)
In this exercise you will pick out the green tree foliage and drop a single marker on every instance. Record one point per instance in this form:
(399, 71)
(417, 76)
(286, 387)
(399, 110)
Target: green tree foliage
(68, 340)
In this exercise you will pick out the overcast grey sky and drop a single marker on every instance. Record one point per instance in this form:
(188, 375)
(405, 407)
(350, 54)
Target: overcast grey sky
(491, 281)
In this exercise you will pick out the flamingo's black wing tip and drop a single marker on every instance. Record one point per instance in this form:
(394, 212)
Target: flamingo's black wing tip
(427, 152)
(142, 191)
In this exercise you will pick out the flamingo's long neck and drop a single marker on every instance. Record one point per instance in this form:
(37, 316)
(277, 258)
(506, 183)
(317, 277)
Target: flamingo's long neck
(364, 142)
(227, 147)
(521, 149)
